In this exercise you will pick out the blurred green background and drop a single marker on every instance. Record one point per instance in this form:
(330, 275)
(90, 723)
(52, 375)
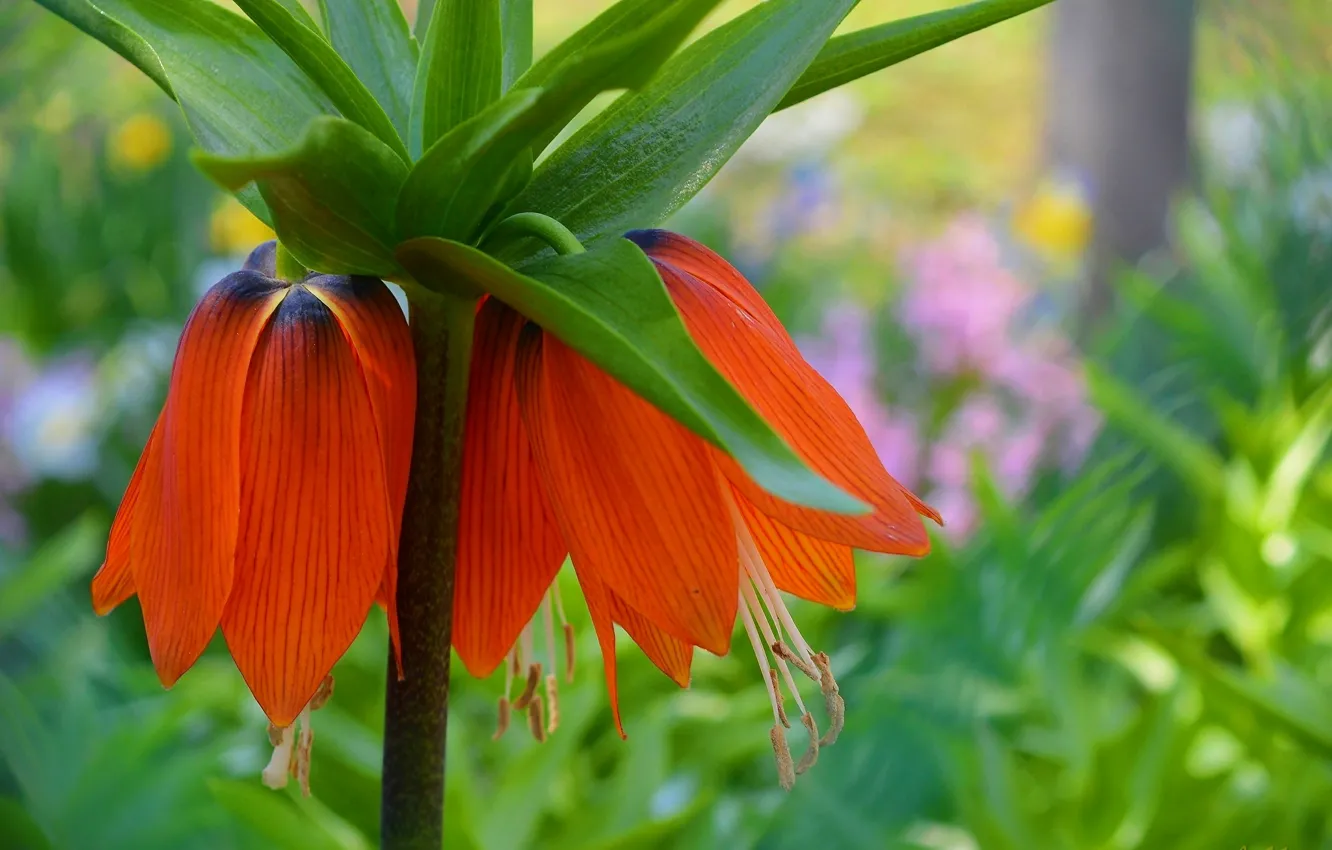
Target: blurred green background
(1075, 276)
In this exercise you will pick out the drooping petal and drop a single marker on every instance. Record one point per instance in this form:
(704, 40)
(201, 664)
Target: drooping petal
(818, 570)
(377, 328)
(807, 412)
(316, 526)
(598, 606)
(114, 582)
(183, 532)
(509, 549)
(633, 494)
(672, 656)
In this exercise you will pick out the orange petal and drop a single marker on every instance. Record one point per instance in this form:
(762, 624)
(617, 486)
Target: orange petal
(599, 607)
(183, 532)
(818, 570)
(671, 656)
(373, 321)
(633, 493)
(114, 582)
(807, 412)
(509, 548)
(694, 258)
(316, 526)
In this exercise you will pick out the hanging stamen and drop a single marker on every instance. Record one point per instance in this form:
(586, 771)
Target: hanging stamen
(534, 722)
(762, 619)
(785, 770)
(502, 725)
(301, 761)
(567, 628)
(774, 695)
(530, 689)
(291, 751)
(811, 755)
(275, 772)
(552, 681)
(832, 699)
(781, 703)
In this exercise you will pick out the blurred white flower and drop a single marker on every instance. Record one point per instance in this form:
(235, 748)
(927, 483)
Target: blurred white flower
(1311, 202)
(1232, 136)
(54, 420)
(808, 129)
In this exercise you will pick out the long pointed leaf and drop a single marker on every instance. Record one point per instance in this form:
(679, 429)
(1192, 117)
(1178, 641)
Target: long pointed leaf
(332, 196)
(374, 39)
(610, 305)
(461, 66)
(240, 93)
(851, 56)
(308, 49)
(516, 27)
(651, 151)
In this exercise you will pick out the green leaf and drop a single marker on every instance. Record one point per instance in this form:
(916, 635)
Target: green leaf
(61, 560)
(241, 95)
(622, 48)
(852, 56)
(461, 66)
(516, 27)
(610, 305)
(452, 187)
(332, 196)
(424, 11)
(272, 816)
(1174, 446)
(374, 39)
(308, 49)
(300, 13)
(651, 151)
(458, 181)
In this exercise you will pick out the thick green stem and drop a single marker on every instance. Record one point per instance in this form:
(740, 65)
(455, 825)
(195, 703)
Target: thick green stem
(416, 713)
(543, 227)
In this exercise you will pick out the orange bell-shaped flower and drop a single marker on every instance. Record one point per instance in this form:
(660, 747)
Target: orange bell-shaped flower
(670, 538)
(269, 497)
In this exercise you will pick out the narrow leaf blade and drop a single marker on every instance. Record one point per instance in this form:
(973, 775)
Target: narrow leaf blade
(373, 38)
(610, 305)
(332, 196)
(461, 67)
(308, 49)
(516, 27)
(851, 56)
(650, 151)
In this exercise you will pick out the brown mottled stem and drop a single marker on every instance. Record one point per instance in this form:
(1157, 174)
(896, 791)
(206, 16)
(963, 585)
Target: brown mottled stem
(416, 713)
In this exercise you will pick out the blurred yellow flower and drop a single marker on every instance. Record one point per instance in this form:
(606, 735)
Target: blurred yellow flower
(234, 229)
(1056, 221)
(141, 143)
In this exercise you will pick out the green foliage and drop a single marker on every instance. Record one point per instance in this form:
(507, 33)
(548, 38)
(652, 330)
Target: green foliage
(332, 196)
(852, 56)
(373, 38)
(461, 68)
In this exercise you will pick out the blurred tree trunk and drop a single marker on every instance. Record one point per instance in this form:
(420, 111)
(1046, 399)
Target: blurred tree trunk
(1120, 83)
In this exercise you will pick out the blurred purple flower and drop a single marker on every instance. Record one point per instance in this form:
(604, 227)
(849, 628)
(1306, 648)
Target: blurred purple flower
(53, 423)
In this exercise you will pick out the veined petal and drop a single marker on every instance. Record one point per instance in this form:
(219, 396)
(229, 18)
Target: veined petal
(633, 494)
(509, 549)
(373, 321)
(696, 259)
(671, 655)
(114, 582)
(770, 373)
(183, 532)
(316, 525)
(598, 606)
(818, 570)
